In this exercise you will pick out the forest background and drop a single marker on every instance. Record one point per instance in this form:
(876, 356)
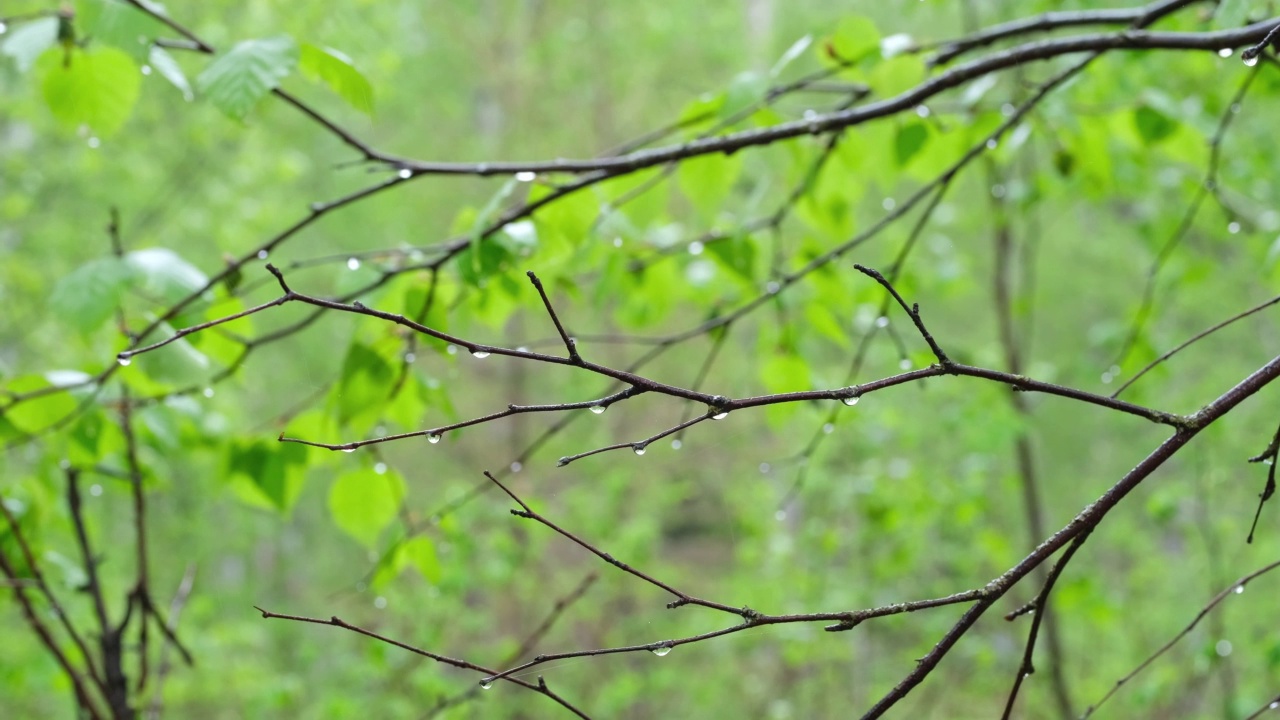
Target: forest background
(1054, 226)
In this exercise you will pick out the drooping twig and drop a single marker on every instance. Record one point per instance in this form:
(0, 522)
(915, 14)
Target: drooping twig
(1234, 588)
(335, 621)
(1270, 456)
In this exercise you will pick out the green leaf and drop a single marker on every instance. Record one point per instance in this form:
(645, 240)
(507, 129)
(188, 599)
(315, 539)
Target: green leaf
(785, 373)
(707, 180)
(897, 75)
(737, 253)
(38, 413)
(96, 87)
(163, 62)
(162, 274)
(747, 89)
(28, 41)
(364, 383)
(338, 72)
(363, 502)
(855, 38)
(421, 551)
(269, 475)
(1153, 125)
(909, 141)
(796, 50)
(119, 24)
(236, 81)
(87, 296)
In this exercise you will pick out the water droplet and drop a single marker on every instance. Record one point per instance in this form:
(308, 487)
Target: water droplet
(563, 461)
(661, 650)
(380, 602)
(1223, 648)
(1225, 52)
(617, 242)
(380, 468)
(526, 176)
(889, 204)
(479, 354)
(353, 263)
(1239, 589)
(1250, 62)
(94, 142)
(1274, 705)
(780, 515)
(1107, 377)
(405, 174)
(146, 69)
(765, 468)
(598, 409)
(433, 438)
(124, 360)
(639, 449)
(676, 444)
(720, 416)
(1233, 227)
(262, 254)
(772, 287)
(696, 248)
(997, 191)
(1008, 109)
(922, 111)
(992, 143)
(348, 450)
(95, 489)
(882, 322)
(410, 357)
(3, 28)
(904, 364)
(516, 467)
(207, 392)
(851, 401)
(451, 349)
(485, 684)
(828, 429)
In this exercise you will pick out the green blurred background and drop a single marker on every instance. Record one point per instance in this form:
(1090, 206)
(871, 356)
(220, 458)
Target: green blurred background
(912, 494)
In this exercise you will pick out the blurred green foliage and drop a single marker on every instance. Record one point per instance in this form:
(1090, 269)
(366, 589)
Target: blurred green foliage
(913, 493)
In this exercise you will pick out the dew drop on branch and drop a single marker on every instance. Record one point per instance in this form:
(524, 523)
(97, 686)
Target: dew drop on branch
(661, 650)
(598, 409)
(433, 438)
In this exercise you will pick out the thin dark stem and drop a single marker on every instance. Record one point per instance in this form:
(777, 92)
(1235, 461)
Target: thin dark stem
(1270, 456)
(1193, 340)
(1232, 589)
(1040, 606)
(1045, 22)
(682, 598)
(335, 621)
(913, 311)
(569, 344)
(78, 684)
